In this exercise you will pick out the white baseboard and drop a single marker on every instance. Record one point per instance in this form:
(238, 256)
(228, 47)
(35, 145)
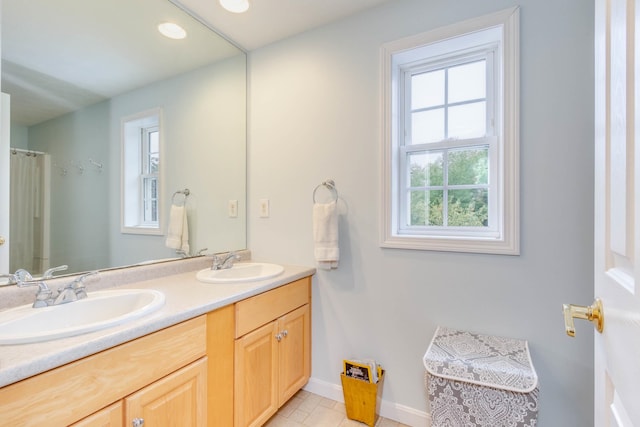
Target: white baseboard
(393, 411)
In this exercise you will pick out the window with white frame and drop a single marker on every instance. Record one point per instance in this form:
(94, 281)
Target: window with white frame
(150, 147)
(141, 151)
(450, 143)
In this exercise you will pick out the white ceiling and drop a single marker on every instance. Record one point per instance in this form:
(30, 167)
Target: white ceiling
(267, 21)
(62, 55)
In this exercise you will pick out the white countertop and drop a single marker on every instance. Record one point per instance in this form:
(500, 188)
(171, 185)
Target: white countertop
(186, 298)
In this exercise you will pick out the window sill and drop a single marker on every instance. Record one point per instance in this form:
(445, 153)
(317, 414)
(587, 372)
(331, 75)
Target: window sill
(152, 231)
(494, 246)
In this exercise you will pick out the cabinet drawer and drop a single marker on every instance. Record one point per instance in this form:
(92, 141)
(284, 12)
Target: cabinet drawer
(260, 309)
(179, 399)
(87, 385)
(110, 416)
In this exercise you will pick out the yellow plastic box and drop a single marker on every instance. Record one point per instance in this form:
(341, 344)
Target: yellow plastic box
(362, 399)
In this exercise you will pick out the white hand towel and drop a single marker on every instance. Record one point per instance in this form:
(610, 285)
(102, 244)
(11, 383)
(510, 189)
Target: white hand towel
(178, 231)
(325, 235)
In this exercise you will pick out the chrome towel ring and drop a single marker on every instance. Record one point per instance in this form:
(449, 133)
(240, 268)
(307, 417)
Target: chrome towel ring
(330, 185)
(184, 192)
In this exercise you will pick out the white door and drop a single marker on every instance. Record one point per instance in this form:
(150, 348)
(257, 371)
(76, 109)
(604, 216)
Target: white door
(4, 184)
(617, 211)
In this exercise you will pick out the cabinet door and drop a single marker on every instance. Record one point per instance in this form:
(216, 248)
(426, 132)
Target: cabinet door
(294, 352)
(111, 416)
(179, 399)
(256, 370)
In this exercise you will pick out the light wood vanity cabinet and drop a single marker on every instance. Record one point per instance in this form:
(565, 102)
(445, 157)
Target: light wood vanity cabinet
(233, 366)
(111, 416)
(272, 351)
(176, 400)
(101, 383)
(179, 399)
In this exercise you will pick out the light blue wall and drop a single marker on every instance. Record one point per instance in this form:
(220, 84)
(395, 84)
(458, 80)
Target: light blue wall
(19, 137)
(315, 114)
(79, 199)
(204, 127)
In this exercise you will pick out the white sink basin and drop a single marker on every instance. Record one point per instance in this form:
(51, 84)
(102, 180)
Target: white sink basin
(240, 272)
(101, 309)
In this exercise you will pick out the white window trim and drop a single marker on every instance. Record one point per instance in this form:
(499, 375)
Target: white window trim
(125, 227)
(145, 160)
(478, 52)
(507, 241)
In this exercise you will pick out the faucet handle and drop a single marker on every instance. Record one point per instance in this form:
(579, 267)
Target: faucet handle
(78, 283)
(75, 287)
(43, 295)
(23, 279)
(48, 274)
(80, 279)
(23, 275)
(39, 283)
(222, 261)
(229, 259)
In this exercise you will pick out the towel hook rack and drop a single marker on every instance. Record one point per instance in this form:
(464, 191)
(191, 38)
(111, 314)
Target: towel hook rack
(96, 164)
(63, 170)
(330, 185)
(184, 192)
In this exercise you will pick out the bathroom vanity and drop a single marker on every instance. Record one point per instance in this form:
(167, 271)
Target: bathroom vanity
(272, 351)
(215, 354)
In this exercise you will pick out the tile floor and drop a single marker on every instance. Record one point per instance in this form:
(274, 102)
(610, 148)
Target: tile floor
(310, 410)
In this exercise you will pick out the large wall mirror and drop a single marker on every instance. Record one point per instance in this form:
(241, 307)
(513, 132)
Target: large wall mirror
(74, 69)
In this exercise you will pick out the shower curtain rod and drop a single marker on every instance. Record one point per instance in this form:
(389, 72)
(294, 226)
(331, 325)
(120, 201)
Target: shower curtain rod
(21, 150)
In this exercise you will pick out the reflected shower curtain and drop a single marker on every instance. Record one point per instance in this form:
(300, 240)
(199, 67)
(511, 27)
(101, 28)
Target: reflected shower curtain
(26, 212)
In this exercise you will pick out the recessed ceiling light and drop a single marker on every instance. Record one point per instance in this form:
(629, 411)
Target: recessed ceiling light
(171, 30)
(235, 6)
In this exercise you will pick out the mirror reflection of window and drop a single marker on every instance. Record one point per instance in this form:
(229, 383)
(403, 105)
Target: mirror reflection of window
(149, 176)
(141, 154)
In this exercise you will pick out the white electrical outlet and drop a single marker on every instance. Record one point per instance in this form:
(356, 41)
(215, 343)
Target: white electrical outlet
(264, 208)
(233, 208)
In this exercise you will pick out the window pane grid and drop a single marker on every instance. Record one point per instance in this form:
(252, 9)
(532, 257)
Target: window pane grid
(150, 199)
(446, 185)
(451, 104)
(151, 150)
(149, 176)
(447, 188)
(434, 98)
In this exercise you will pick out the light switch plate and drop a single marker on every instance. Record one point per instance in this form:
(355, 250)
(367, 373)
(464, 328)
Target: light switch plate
(264, 208)
(233, 208)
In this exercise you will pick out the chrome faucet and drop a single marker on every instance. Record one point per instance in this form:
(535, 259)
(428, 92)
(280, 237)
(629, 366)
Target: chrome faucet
(73, 291)
(22, 275)
(45, 296)
(220, 262)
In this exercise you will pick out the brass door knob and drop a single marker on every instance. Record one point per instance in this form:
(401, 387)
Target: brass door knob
(592, 313)
(2, 240)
